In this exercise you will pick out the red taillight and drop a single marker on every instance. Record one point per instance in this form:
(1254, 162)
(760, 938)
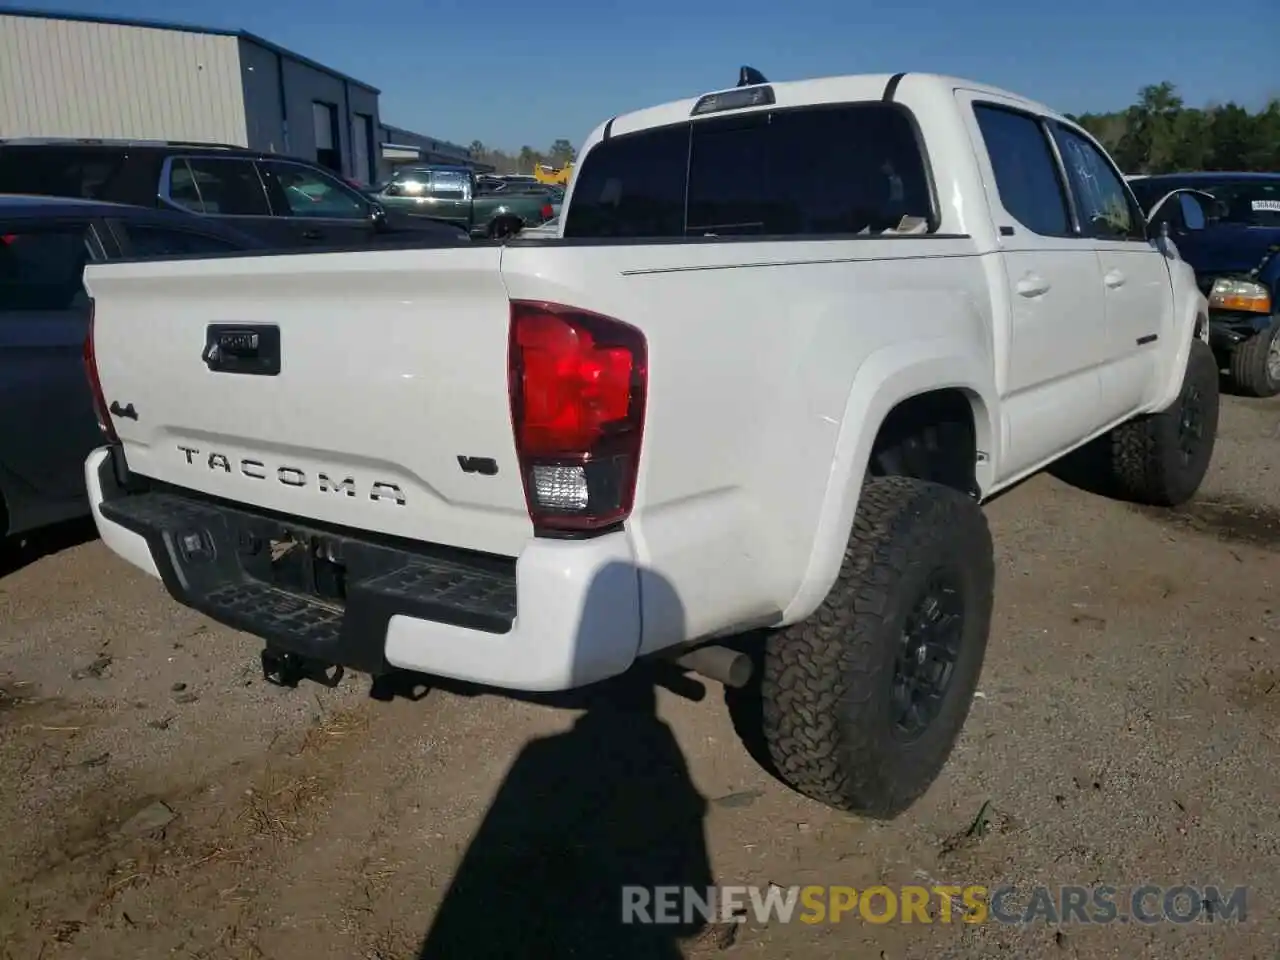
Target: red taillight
(577, 382)
(95, 385)
(547, 211)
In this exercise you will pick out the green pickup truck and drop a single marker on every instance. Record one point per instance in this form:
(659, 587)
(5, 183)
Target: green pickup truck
(450, 194)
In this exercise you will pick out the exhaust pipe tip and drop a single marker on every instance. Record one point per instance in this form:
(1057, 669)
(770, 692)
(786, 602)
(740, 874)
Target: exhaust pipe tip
(729, 667)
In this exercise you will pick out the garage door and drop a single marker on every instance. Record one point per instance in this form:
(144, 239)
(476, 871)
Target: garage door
(363, 144)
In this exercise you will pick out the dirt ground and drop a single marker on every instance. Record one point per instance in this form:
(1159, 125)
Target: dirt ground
(162, 801)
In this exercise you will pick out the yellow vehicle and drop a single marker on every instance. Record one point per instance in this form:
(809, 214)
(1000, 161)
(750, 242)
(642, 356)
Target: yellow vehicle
(558, 176)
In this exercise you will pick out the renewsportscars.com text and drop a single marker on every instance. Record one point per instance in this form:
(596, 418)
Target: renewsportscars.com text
(1145, 904)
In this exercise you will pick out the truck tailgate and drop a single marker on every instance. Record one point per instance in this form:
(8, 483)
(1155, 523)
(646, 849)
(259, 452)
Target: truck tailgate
(389, 410)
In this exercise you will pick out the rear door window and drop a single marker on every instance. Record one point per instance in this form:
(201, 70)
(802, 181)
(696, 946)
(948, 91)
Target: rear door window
(218, 186)
(1027, 178)
(42, 269)
(758, 174)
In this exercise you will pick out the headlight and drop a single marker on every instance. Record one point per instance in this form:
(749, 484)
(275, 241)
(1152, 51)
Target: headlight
(1242, 295)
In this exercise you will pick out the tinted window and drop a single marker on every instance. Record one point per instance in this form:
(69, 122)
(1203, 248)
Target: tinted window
(1255, 203)
(227, 187)
(1103, 203)
(42, 269)
(632, 186)
(756, 174)
(1026, 172)
(152, 241)
(310, 193)
(58, 172)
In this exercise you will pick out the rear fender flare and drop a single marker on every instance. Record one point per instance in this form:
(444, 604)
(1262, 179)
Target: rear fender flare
(888, 377)
(1191, 323)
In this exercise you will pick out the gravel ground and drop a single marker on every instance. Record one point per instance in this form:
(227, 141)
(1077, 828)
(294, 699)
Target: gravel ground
(164, 802)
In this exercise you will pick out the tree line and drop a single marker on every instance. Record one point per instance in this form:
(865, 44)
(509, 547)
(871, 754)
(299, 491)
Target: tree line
(557, 155)
(1160, 134)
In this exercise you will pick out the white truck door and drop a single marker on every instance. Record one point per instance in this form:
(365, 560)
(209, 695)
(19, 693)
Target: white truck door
(1057, 338)
(1135, 276)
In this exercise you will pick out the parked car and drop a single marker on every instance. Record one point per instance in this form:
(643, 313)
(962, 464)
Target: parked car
(451, 194)
(283, 200)
(754, 388)
(47, 421)
(1227, 226)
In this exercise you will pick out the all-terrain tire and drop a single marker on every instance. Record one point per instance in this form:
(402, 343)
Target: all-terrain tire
(1152, 462)
(827, 683)
(1253, 365)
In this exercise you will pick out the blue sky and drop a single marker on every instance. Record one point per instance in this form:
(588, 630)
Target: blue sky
(511, 73)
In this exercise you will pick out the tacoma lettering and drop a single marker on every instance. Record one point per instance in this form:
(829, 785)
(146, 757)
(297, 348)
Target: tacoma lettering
(296, 477)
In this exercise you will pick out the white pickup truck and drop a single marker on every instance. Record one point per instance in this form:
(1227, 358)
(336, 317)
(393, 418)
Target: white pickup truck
(788, 339)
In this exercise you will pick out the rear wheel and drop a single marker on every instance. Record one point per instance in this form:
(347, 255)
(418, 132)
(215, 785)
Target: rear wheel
(1255, 363)
(864, 700)
(1161, 459)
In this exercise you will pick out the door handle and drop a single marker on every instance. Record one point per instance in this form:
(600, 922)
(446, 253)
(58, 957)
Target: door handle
(312, 235)
(1032, 285)
(1114, 278)
(250, 348)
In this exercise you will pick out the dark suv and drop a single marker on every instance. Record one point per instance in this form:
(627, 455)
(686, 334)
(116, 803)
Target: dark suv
(284, 201)
(47, 421)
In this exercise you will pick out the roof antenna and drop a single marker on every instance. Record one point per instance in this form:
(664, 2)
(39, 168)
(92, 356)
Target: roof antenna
(750, 76)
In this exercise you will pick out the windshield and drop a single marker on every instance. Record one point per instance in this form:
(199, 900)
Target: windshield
(1253, 203)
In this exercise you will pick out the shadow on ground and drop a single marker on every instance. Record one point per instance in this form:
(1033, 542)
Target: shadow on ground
(25, 549)
(581, 815)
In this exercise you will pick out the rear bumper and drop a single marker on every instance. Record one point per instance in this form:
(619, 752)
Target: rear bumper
(561, 615)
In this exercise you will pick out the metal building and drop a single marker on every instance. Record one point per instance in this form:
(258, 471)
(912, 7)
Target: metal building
(400, 147)
(115, 78)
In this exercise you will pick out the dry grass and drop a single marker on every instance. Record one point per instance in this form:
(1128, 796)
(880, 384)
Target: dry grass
(332, 729)
(278, 813)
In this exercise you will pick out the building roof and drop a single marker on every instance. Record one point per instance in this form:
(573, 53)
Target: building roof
(400, 135)
(185, 28)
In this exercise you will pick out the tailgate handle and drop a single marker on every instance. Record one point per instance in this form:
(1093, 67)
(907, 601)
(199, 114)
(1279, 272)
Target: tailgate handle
(252, 349)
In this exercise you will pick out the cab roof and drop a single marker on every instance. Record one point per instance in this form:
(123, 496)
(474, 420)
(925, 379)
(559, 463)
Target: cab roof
(835, 89)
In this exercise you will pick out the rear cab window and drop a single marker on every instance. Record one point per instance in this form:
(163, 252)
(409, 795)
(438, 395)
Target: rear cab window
(760, 174)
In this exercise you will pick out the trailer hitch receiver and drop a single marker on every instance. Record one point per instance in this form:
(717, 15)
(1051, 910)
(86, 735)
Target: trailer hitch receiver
(285, 669)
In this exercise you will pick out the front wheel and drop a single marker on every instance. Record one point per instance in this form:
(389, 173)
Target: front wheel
(1162, 458)
(864, 700)
(1255, 363)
